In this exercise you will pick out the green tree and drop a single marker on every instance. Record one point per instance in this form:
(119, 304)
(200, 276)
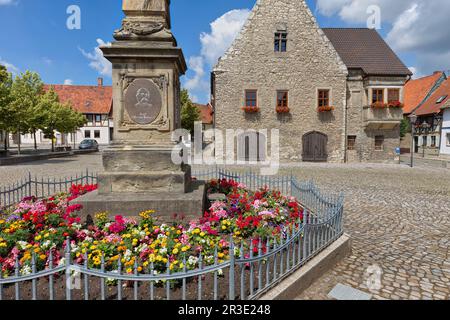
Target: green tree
(5, 100)
(405, 127)
(189, 112)
(57, 116)
(26, 92)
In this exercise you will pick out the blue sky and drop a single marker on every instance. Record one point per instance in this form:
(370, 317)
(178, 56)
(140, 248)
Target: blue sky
(35, 35)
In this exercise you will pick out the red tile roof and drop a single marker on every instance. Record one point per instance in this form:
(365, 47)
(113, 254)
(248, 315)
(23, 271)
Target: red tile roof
(206, 113)
(431, 106)
(85, 99)
(417, 90)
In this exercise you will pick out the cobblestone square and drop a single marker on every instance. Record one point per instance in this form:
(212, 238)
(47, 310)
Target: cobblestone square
(398, 218)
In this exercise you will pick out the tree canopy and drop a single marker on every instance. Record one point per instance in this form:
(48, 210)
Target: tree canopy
(189, 112)
(25, 107)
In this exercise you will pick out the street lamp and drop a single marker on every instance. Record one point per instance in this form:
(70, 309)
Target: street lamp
(424, 126)
(412, 121)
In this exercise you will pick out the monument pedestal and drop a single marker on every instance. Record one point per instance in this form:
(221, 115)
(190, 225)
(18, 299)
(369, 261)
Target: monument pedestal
(140, 178)
(139, 173)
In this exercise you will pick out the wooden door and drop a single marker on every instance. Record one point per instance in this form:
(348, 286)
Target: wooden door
(315, 147)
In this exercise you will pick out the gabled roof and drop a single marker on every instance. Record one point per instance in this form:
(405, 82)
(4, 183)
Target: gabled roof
(417, 90)
(431, 106)
(206, 112)
(365, 49)
(85, 99)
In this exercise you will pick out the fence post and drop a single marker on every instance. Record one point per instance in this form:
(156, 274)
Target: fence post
(68, 278)
(231, 293)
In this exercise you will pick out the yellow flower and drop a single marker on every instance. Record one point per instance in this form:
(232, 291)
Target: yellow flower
(175, 251)
(145, 264)
(129, 270)
(196, 231)
(47, 235)
(93, 247)
(178, 232)
(185, 248)
(224, 227)
(139, 269)
(159, 258)
(2, 221)
(37, 250)
(165, 260)
(181, 265)
(221, 255)
(37, 238)
(101, 216)
(43, 256)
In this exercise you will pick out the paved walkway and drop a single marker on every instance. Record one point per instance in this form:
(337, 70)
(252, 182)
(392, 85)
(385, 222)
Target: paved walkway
(399, 219)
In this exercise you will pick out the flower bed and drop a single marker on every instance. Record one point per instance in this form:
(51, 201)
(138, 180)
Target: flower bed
(40, 228)
(248, 109)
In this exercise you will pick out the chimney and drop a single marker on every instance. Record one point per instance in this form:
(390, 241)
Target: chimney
(100, 82)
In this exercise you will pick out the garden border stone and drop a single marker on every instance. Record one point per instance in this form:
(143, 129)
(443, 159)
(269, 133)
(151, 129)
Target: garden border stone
(292, 286)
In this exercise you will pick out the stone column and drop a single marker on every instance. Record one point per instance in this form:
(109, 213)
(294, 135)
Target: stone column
(147, 65)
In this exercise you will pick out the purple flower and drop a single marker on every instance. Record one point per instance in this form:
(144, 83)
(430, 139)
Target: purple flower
(12, 218)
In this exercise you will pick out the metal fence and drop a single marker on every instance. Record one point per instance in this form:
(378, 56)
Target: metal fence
(40, 187)
(251, 271)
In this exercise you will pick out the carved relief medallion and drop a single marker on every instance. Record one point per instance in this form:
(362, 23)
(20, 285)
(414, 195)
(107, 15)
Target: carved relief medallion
(143, 101)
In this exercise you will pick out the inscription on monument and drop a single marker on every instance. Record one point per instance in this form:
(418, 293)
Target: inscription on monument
(143, 101)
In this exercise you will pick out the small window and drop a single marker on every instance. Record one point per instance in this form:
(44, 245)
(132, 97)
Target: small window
(448, 139)
(377, 95)
(393, 95)
(379, 143)
(97, 134)
(87, 134)
(98, 118)
(90, 118)
(280, 41)
(433, 141)
(323, 98)
(441, 99)
(251, 98)
(425, 141)
(282, 99)
(351, 143)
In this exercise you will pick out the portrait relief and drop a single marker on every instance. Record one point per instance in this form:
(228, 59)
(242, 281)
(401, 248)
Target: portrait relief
(143, 101)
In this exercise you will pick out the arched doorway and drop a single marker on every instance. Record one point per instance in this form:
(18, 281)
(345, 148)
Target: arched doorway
(315, 147)
(252, 147)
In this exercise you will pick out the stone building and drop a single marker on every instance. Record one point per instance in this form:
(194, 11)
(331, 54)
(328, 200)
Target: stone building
(328, 91)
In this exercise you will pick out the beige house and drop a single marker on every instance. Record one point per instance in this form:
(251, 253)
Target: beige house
(334, 94)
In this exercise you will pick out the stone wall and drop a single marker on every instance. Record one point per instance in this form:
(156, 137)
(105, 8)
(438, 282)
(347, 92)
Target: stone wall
(310, 63)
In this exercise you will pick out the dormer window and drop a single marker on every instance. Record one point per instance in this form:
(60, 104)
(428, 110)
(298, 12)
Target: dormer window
(280, 41)
(441, 99)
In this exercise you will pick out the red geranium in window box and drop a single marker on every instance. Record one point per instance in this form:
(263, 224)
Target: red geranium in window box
(379, 105)
(249, 109)
(325, 109)
(282, 110)
(395, 104)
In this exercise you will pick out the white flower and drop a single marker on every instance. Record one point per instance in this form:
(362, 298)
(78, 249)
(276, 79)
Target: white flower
(62, 262)
(107, 225)
(26, 270)
(220, 272)
(163, 251)
(127, 254)
(22, 245)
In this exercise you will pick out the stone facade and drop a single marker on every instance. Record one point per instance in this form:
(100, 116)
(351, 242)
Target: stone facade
(309, 64)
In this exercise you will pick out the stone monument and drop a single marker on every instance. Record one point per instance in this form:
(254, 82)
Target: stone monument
(138, 172)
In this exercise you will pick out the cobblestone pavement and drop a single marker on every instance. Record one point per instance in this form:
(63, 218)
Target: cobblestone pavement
(399, 221)
(52, 168)
(398, 218)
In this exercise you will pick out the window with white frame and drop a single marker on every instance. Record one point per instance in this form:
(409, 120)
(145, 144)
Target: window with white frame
(448, 139)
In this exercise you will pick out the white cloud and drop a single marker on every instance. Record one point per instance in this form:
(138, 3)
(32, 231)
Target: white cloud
(97, 60)
(68, 82)
(47, 61)
(213, 45)
(11, 68)
(413, 27)
(7, 2)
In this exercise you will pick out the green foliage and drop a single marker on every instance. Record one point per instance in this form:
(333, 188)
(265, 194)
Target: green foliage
(57, 116)
(5, 98)
(405, 127)
(189, 112)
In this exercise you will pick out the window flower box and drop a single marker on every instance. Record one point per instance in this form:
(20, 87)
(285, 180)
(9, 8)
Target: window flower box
(379, 105)
(283, 110)
(251, 109)
(396, 104)
(325, 109)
